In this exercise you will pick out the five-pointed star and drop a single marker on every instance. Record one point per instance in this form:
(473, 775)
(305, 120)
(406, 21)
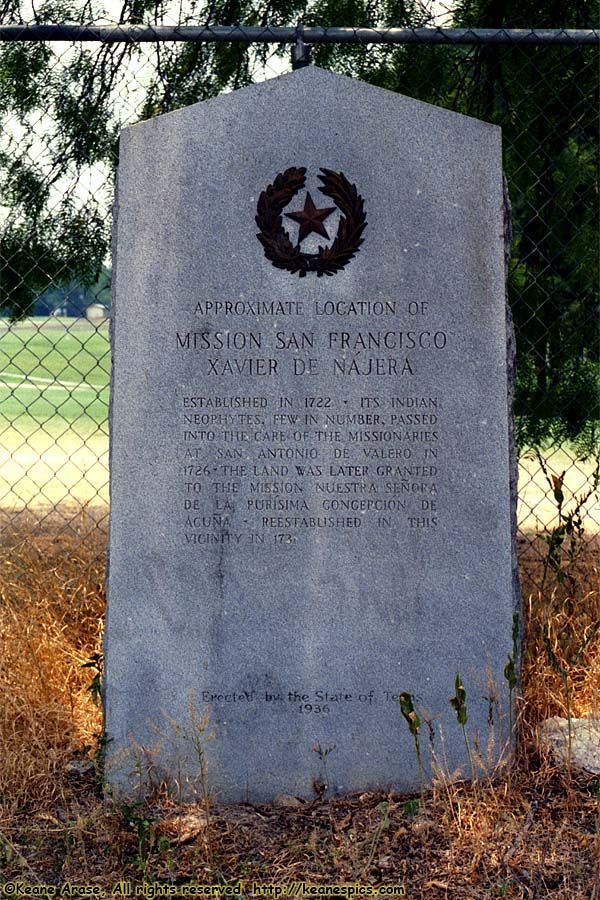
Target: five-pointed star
(310, 218)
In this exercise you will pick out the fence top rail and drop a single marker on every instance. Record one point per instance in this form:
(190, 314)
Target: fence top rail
(289, 35)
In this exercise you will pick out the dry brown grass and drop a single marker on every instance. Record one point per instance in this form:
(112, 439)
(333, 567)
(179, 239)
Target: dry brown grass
(532, 832)
(569, 610)
(51, 612)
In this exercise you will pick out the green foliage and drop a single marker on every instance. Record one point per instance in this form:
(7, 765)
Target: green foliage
(28, 263)
(408, 711)
(369, 63)
(459, 701)
(565, 539)
(459, 705)
(414, 726)
(85, 132)
(148, 841)
(95, 662)
(23, 70)
(544, 100)
(411, 807)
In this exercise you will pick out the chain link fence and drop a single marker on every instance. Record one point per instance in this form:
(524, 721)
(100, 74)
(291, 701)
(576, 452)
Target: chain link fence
(65, 93)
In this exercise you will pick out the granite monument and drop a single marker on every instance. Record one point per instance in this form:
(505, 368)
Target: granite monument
(312, 495)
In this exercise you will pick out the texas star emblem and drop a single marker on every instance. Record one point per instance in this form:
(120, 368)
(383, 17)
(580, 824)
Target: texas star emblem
(278, 247)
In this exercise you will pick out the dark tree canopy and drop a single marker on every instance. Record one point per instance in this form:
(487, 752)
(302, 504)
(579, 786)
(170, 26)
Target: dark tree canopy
(544, 98)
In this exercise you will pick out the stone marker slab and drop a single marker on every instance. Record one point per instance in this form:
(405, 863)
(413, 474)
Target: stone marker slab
(310, 457)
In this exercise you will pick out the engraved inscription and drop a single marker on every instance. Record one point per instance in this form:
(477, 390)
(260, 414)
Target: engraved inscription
(301, 700)
(264, 468)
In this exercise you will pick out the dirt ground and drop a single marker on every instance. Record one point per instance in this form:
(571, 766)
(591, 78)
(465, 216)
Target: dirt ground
(44, 470)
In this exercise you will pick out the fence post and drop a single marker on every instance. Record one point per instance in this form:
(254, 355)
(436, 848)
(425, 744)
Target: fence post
(300, 51)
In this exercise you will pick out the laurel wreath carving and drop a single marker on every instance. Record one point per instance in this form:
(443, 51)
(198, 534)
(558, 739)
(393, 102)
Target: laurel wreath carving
(278, 247)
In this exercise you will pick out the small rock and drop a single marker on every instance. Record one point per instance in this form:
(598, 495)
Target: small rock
(585, 742)
(286, 801)
(183, 827)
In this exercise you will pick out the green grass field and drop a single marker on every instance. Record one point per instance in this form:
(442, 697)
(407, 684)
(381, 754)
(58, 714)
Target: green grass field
(54, 373)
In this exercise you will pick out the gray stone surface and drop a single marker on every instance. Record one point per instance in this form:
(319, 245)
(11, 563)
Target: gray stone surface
(584, 752)
(296, 543)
